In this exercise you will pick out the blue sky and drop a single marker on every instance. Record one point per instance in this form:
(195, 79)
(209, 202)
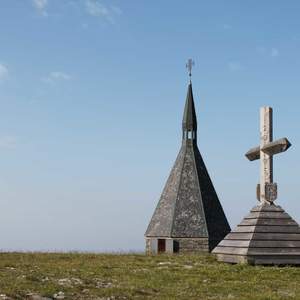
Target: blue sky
(92, 95)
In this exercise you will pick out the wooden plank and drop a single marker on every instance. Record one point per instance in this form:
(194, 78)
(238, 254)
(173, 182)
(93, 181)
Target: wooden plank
(275, 260)
(263, 236)
(252, 215)
(269, 222)
(253, 154)
(276, 236)
(266, 161)
(232, 259)
(268, 229)
(248, 222)
(273, 251)
(260, 244)
(273, 244)
(244, 229)
(277, 222)
(259, 260)
(230, 250)
(234, 243)
(239, 236)
(268, 215)
(267, 208)
(276, 147)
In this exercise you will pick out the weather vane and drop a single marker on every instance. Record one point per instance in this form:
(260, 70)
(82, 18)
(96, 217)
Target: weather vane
(189, 66)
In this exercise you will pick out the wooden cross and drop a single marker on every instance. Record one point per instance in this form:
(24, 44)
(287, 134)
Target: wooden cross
(267, 190)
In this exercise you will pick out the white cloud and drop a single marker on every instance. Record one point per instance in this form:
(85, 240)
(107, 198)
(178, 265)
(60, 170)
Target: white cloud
(96, 8)
(60, 75)
(274, 52)
(3, 72)
(41, 6)
(8, 142)
(234, 66)
(56, 76)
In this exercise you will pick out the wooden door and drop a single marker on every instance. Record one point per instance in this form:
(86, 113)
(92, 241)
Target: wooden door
(175, 246)
(161, 246)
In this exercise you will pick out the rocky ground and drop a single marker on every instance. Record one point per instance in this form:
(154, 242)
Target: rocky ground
(45, 276)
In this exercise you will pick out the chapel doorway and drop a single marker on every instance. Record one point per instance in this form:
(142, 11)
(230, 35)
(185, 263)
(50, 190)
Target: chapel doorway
(175, 246)
(161, 245)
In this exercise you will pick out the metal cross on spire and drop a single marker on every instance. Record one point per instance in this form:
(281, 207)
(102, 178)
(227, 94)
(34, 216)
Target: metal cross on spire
(189, 65)
(267, 190)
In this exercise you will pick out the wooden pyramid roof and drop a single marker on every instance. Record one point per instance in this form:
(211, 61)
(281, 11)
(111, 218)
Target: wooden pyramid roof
(268, 235)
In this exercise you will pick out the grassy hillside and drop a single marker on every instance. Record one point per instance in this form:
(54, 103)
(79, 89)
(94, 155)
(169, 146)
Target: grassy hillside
(100, 276)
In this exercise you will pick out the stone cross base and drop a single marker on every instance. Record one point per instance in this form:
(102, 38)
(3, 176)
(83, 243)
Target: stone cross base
(268, 235)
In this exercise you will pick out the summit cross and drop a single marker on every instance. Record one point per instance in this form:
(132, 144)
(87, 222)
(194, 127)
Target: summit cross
(267, 189)
(189, 65)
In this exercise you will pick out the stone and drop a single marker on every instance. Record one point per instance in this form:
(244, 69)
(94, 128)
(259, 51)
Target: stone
(32, 296)
(59, 295)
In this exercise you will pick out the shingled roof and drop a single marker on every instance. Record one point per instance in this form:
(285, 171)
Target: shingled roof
(189, 206)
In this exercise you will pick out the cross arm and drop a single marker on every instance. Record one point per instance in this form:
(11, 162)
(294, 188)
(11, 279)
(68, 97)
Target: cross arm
(272, 148)
(277, 147)
(253, 154)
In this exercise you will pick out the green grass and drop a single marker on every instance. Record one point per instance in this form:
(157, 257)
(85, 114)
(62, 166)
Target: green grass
(132, 276)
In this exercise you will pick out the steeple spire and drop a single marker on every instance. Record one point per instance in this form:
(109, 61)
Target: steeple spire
(189, 122)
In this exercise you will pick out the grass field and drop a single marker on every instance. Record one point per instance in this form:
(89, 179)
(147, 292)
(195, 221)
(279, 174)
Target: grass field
(109, 276)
